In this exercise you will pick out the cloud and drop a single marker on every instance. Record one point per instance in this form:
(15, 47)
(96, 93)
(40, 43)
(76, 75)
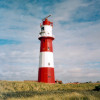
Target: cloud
(77, 73)
(76, 11)
(76, 44)
(65, 10)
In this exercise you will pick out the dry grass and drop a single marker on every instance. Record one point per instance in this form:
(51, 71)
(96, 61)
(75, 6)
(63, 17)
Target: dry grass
(14, 90)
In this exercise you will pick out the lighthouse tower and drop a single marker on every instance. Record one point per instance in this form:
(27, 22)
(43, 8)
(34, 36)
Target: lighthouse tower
(46, 63)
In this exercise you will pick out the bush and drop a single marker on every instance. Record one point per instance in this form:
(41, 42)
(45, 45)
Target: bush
(97, 88)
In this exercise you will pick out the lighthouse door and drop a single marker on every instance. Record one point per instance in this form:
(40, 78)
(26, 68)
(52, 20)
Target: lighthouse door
(48, 77)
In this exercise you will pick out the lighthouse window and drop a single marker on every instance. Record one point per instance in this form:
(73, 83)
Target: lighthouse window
(48, 48)
(49, 64)
(49, 76)
(42, 28)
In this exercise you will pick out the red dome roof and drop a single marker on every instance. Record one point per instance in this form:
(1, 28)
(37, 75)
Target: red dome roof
(46, 22)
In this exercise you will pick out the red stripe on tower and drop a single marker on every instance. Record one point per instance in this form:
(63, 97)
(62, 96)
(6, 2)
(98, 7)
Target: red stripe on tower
(46, 63)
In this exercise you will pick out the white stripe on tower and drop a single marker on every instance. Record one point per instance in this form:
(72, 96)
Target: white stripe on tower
(46, 59)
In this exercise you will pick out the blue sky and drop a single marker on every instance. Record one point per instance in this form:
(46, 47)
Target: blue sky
(76, 45)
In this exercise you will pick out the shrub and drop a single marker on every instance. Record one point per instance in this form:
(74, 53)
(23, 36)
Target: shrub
(97, 88)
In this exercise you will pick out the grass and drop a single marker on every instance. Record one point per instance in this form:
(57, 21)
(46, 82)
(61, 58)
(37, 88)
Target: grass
(17, 90)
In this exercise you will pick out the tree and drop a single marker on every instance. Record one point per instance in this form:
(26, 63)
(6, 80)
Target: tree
(98, 82)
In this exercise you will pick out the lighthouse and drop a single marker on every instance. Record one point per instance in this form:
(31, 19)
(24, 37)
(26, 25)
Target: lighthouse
(46, 62)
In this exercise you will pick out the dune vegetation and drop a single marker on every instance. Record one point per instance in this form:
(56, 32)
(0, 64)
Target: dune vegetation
(19, 90)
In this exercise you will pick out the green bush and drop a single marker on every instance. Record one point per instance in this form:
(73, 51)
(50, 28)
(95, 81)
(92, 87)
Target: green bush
(97, 88)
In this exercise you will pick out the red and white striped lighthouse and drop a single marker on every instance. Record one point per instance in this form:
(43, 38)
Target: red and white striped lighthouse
(46, 63)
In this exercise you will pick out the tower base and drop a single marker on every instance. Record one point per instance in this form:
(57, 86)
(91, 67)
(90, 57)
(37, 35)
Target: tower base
(46, 75)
